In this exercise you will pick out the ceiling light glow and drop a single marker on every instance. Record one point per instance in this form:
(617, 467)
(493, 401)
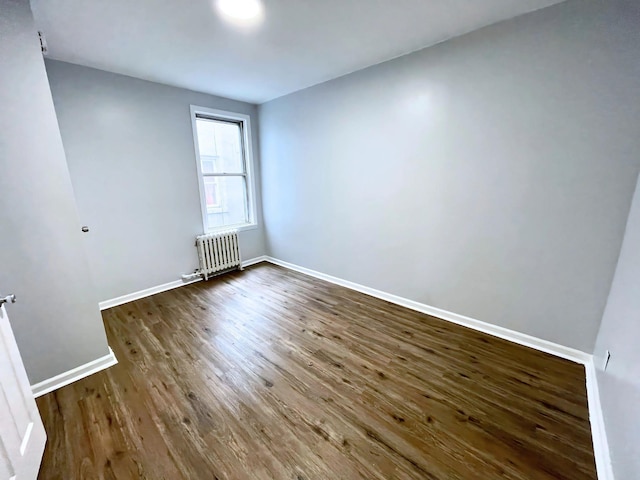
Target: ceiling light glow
(241, 11)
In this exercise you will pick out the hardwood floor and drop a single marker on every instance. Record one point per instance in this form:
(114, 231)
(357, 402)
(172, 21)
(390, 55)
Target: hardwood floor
(270, 374)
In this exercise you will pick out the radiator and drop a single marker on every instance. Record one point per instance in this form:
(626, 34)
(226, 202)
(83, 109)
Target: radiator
(218, 251)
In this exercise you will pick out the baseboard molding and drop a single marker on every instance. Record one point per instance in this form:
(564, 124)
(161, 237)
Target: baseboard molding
(495, 330)
(74, 374)
(253, 261)
(598, 432)
(147, 292)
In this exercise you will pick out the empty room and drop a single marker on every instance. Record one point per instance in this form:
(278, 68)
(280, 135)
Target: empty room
(284, 239)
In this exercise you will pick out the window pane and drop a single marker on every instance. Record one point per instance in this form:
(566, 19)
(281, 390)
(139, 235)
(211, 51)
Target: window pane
(220, 145)
(226, 201)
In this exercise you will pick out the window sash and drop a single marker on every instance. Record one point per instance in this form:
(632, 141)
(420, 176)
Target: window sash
(241, 133)
(243, 167)
(247, 213)
(224, 174)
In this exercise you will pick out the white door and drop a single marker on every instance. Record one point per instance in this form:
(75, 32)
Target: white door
(22, 436)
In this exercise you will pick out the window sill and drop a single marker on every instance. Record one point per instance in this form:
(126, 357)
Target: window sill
(241, 228)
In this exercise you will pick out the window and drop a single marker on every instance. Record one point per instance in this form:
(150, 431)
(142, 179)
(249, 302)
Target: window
(224, 162)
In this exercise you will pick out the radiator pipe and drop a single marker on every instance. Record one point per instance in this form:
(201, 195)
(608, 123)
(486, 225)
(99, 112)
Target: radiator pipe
(191, 276)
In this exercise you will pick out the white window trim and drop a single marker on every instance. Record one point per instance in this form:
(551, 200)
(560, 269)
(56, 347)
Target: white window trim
(248, 158)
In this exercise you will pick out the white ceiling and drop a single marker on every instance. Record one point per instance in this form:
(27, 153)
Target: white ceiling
(300, 42)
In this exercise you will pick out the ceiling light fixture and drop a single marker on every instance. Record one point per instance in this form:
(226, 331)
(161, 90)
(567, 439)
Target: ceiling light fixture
(241, 11)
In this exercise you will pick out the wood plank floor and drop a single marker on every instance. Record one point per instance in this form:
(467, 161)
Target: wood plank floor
(270, 374)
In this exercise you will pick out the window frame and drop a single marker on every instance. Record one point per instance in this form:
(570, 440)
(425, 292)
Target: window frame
(247, 150)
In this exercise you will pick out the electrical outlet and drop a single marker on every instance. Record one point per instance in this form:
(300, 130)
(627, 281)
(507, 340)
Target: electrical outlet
(607, 357)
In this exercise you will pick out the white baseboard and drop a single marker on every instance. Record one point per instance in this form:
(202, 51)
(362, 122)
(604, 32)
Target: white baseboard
(253, 261)
(495, 330)
(74, 374)
(147, 292)
(596, 418)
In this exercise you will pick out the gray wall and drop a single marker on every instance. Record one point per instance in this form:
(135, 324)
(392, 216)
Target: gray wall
(490, 175)
(131, 156)
(619, 333)
(42, 260)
